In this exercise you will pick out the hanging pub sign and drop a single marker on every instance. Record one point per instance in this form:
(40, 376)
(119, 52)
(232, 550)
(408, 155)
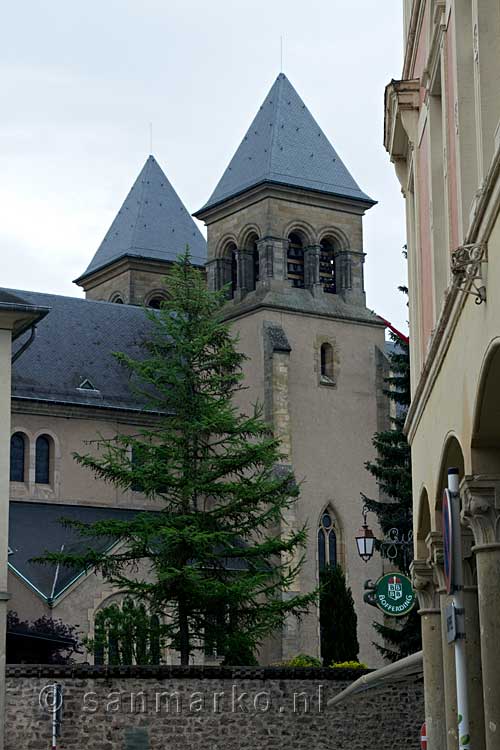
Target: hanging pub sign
(447, 541)
(394, 595)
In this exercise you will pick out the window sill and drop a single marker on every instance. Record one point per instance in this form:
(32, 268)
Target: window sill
(328, 382)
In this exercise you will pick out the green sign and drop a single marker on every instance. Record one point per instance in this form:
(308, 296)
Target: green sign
(394, 595)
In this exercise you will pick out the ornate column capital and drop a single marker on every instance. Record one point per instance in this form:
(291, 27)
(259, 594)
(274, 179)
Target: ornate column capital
(480, 495)
(434, 542)
(422, 575)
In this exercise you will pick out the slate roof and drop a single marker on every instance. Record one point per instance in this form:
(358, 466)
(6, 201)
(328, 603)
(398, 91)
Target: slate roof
(285, 145)
(29, 313)
(74, 342)
(152, 223)
(35, 528)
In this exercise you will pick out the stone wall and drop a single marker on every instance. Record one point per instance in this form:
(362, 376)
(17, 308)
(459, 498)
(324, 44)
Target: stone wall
(194, 708)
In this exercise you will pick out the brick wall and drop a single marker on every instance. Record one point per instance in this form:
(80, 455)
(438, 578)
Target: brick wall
(208, 708)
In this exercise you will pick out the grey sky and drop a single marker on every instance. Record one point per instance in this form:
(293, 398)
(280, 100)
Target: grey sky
(82, 81)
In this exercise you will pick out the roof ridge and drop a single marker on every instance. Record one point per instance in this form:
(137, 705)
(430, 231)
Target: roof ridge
(146, 170)
(274, 131)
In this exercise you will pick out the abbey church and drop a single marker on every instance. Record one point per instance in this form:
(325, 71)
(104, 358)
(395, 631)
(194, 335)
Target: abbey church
(285, 233)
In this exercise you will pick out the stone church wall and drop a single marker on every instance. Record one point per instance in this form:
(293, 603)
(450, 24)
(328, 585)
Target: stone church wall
(190, 708)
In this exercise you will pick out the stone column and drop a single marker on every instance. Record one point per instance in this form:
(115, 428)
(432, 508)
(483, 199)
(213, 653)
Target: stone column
(473, 648)
(244, 260)
(434, 543)
(312, 280)
(272, 262)
(350, 277)
(481, 511)
(430, 613)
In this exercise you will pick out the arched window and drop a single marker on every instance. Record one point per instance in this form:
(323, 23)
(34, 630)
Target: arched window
(156, 302)
(327, 266)
(234, 273)
(251, 261)
(117, 299)
(42, 459)
(327, 541)
(17, 457)
(256, 265)
(326, 357)
(295, 260)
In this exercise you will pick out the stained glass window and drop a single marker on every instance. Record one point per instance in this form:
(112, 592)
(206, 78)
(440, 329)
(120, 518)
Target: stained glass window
(327, 541)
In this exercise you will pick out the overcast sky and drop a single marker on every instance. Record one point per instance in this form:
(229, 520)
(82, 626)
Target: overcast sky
(82, 81)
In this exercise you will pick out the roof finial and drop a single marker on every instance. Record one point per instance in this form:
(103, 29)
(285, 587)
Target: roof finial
(150, 137)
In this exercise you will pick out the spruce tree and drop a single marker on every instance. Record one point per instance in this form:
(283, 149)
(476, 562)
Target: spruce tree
(218, 563)
(392, 471)
(338, 620)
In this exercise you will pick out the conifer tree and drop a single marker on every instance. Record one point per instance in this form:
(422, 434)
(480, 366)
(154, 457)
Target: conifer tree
(392, 471)
(216, 561)
(338, 620)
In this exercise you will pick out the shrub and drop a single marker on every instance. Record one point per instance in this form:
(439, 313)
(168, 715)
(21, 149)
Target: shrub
(301, 660)
(348, 665)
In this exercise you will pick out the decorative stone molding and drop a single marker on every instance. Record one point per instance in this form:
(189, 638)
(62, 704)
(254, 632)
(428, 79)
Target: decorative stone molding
(481, 508)
(423, 580)
(434, 542)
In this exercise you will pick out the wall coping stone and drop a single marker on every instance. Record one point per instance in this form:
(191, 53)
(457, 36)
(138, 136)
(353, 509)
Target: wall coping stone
(162, 672)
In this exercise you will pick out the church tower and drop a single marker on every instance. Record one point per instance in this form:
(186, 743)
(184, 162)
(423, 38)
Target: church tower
(150, 230)
(285, 234)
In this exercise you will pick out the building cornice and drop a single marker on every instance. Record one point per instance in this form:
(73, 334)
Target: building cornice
(291, 194)
(54, 408)
(237, 312)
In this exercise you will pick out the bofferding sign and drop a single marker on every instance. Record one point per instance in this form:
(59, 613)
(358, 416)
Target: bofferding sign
(394, 594)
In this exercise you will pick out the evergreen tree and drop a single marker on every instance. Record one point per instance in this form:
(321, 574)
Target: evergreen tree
(338, 620)
(392, 470)
(217, 561)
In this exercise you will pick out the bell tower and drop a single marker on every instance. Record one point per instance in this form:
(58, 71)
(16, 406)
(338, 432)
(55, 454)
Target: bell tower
(286, 213)
(149, 231)
(285, 237)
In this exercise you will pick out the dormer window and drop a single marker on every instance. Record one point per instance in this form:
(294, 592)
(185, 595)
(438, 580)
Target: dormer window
(87, 385)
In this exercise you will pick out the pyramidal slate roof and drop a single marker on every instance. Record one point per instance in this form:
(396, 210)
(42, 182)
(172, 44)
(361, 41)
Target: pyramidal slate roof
(152, 223)
(285, 145)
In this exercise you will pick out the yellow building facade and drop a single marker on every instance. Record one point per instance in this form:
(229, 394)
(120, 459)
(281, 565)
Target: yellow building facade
(442, 131)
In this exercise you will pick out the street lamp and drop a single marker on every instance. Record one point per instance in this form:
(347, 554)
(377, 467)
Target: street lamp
(365, 541)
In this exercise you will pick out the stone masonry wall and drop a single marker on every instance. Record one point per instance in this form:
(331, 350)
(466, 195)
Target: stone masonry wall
(195, 708)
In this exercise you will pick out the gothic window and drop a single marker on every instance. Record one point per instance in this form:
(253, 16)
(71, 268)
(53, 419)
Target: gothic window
(327, 266)
(17, 457)
(327, 541)
(295, 260)
(326, 357)
(42, 459)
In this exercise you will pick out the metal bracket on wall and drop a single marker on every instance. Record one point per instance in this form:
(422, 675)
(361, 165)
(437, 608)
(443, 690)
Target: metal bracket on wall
(466, 266)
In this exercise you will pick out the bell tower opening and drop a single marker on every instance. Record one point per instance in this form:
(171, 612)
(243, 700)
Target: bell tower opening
(295, 260)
